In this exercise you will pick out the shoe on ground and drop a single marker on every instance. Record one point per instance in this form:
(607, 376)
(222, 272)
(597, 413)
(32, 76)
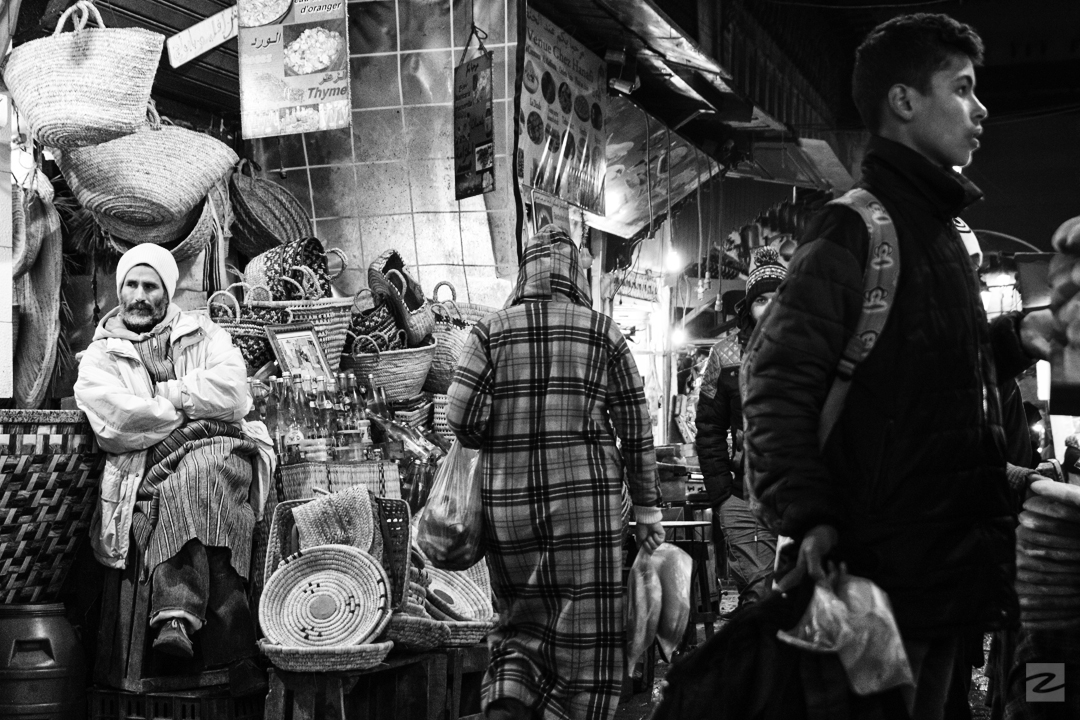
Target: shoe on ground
(172, 639)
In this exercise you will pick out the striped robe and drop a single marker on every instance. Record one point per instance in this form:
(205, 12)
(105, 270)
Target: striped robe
(544, 387)
(198, 482)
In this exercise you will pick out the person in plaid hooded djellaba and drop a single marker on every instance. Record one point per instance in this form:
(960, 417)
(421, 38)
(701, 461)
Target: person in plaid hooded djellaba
(544, 388)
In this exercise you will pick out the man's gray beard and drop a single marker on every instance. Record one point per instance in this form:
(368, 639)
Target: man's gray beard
(139, 326)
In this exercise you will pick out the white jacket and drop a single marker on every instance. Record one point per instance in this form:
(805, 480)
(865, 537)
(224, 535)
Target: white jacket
(129, 414)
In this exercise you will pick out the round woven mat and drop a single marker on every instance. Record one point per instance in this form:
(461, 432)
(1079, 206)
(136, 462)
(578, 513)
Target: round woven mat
(341, 518)
(325, 596)
(456, 595)
(331, 659)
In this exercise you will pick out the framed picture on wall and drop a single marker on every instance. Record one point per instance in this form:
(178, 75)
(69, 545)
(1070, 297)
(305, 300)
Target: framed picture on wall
(298, 351)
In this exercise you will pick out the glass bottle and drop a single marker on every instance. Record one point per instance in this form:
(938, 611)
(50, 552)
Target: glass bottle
(271, 408)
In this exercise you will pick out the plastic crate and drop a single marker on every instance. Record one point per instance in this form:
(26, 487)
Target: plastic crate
(210, 704)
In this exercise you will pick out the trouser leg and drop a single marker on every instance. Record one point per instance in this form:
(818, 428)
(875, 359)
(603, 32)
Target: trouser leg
(230, 628)
(181, 587)
(751, 549)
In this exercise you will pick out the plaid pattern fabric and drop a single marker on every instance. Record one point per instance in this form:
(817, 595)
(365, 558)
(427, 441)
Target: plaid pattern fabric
(544, 387)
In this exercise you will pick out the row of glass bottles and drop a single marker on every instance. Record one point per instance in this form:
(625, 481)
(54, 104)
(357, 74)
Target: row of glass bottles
(315, 420)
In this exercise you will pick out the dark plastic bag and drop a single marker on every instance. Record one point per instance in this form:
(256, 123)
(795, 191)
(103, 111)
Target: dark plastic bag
(450, 530)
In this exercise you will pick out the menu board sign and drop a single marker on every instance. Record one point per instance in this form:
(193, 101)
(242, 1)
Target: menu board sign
(474, 131)
(562, 146)
(294, 66)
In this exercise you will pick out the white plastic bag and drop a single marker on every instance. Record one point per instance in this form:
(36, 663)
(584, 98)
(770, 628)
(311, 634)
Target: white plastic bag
(644, 597)
(673, 568)
(450, 530)
(856, 622)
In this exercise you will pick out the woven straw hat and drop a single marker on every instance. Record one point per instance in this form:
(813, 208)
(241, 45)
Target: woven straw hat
(325, 596)
(341, 518)
(458, 596)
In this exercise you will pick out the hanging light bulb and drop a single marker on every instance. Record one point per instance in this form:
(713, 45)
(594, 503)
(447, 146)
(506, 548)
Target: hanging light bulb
(679, 336)
(673, 262)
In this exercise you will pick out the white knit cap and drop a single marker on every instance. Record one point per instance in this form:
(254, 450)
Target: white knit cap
(157, 257)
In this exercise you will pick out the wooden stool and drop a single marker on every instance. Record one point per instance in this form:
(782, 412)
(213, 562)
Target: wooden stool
(464, 664)
(406, 688)
(125, 658)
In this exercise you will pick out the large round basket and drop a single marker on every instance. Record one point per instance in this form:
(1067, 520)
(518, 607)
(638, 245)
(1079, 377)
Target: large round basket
(267, 214)
(458, 594)
(327, 659)
(50, 469)
(84, 87)
(148, 178)
(400, 373)
(325, 596)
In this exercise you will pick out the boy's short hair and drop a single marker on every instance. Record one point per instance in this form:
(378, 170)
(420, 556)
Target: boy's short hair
(908, 50)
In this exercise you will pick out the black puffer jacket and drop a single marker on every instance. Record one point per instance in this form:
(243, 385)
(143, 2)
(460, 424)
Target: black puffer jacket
(913, 475)
(719, 421)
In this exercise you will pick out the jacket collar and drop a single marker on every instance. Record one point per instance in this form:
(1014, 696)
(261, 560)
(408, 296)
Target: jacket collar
(942, 191)
(118, 340)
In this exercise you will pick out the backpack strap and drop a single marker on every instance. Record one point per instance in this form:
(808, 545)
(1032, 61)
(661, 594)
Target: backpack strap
(880, 279)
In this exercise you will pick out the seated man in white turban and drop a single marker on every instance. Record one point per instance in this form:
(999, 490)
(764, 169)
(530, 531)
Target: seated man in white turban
(166, 393)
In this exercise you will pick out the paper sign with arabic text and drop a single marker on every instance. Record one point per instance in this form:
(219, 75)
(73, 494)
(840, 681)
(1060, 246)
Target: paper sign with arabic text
(294, 66)
(474, 131)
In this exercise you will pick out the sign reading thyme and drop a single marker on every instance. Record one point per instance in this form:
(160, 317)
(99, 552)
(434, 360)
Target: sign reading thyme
(562, 146)
(474, 131)
(294, 66)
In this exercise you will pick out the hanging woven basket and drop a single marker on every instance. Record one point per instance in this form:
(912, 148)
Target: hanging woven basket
(267, 214)
(149, 178)
(84, 87)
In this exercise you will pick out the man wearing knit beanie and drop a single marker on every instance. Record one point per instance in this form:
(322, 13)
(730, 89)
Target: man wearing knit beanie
(166, 393)
(750, 547)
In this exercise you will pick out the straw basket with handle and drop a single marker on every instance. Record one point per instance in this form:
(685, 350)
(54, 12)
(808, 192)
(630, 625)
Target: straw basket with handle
(151, 177)
(284, 261)
(329, 315)
(400, 373)
(470, 313)
(377, 321)
(388, 279)
(451, 331)
(267, 214)
(245, 324)
(84, 87)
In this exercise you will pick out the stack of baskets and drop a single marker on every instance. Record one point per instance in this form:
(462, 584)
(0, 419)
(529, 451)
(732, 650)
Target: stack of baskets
(298, 279)
(322, 607)
(246, 324)
(392, 345)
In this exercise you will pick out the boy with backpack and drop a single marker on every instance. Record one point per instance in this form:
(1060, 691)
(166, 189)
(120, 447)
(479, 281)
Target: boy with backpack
(908, 487)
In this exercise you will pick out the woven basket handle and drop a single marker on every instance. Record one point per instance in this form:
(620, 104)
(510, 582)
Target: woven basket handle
(358, 338)
(356, 298)
(441, 283)
(312, 291)
(152, 115)
(87, 8)
(210, 302)
(344, 261)
(401, 278)
(445, 308)
(250, 290)
(233, 270)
